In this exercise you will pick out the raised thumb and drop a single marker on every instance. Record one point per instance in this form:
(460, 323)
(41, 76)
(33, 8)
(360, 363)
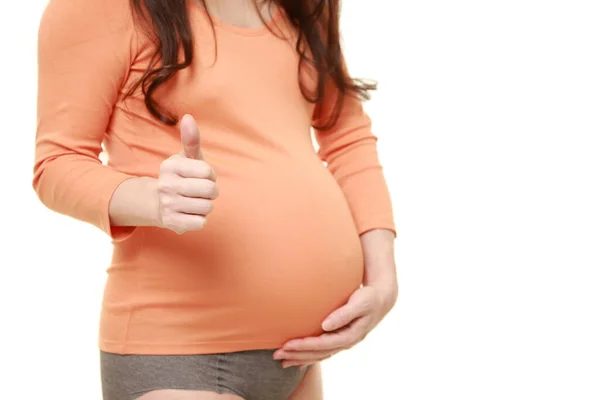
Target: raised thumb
(190, 138)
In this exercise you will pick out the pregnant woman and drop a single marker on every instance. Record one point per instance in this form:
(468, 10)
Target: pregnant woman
(242, 255)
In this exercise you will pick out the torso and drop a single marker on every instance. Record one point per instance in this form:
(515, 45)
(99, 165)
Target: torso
(280, 250)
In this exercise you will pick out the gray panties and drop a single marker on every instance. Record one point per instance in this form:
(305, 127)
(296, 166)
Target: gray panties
(253, 375)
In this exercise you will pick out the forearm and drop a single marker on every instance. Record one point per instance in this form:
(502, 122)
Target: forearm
(135, 203)
(380, 266)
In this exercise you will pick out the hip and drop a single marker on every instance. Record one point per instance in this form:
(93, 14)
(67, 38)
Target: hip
(128, 377)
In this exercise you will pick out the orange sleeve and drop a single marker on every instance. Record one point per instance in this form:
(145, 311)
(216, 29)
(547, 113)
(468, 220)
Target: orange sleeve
(350, 150)
(85, 50)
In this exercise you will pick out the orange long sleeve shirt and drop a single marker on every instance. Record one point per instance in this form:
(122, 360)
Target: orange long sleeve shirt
(281, 249)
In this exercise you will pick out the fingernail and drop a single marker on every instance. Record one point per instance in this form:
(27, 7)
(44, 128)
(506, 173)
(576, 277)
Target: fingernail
(278, 355)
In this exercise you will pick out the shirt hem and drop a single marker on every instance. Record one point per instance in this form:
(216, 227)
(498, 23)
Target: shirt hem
(187, 348)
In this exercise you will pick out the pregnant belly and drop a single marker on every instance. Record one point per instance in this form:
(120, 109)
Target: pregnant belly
(295, 251)
(278, 254)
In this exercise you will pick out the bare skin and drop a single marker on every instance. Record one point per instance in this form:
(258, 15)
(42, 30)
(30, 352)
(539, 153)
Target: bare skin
(187, 395)
(242, 13)
(311, 387)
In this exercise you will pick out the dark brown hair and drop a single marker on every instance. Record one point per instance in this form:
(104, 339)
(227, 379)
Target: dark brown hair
(318, 45)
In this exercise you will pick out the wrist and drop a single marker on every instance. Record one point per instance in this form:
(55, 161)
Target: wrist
(387, 289)
(151, 191)
(135, 203)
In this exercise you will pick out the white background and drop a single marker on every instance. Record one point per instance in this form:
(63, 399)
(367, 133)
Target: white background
(488, 115)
